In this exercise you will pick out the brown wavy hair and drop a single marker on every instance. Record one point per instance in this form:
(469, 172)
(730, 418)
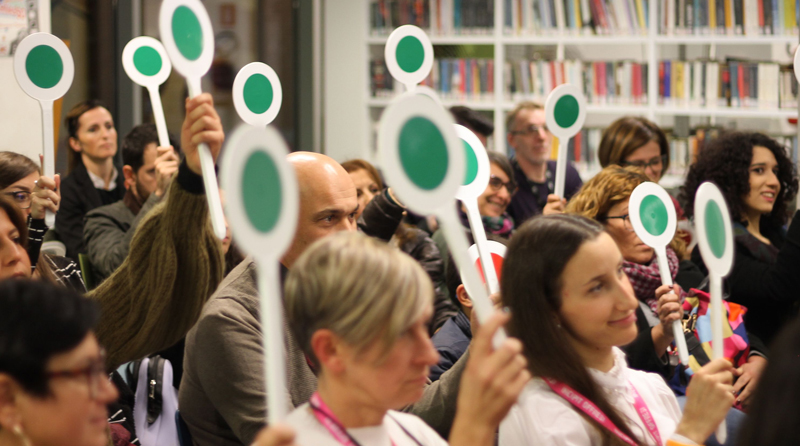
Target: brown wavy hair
(612, 185)
(627, 134)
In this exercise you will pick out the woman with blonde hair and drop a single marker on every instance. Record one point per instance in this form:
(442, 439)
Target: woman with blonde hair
(359, 310)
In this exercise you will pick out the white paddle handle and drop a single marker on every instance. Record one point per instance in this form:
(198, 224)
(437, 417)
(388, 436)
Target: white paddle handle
(715, 286)
(479, 235)
(457, 241)
(209, 175)
(677, 328)
(269, 288)
(561, 166)
(48, 150)
(158, 114)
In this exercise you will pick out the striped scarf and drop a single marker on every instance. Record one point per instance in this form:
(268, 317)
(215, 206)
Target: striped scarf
(646, 278)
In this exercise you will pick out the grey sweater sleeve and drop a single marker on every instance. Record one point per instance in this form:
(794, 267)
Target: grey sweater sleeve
(437, 407)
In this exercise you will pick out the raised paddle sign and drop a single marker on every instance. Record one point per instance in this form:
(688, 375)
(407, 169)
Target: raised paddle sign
(257, 94)
(497, 251)
(189, 40)
(146, 62)
(44, 70)
(797, 64)
(654, 220)
(262, 200)
(409, 55)
(715, 240)
(422, 158)
(474, 184)
(565, 113)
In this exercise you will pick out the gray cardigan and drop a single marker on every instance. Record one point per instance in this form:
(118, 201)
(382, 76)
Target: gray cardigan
(222, 395)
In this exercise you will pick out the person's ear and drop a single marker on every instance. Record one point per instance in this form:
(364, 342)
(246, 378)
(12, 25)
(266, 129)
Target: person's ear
(9, 412)
(130, 176)
(74, 144)
(463, 297)
(327, 348)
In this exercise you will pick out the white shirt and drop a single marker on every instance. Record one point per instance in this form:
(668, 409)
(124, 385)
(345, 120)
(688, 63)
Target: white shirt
(100, 184)
(544, 417)
(310, 432)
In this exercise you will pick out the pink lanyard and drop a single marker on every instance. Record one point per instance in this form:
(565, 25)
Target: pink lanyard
(590, 409)
(328, 420)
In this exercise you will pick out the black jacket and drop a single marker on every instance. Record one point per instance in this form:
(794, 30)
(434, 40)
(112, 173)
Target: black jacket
(79, 196)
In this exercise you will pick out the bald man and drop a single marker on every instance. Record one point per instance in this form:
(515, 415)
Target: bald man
(222, 395)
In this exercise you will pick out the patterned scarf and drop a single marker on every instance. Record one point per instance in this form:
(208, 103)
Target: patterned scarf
(646, 278)
(502, 225)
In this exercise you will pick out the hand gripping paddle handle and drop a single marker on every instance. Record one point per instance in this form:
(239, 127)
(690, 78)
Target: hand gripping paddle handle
(677, 328)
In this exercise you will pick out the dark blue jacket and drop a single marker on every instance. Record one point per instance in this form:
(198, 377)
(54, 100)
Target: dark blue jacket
(451, 341)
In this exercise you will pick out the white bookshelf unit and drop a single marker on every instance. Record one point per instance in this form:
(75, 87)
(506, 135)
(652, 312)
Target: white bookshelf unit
(648, 48)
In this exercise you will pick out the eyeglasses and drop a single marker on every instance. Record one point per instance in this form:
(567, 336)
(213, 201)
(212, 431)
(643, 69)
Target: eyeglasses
(496, 183)
(94, 373)
(529, 130)
(21, 198)
(626, 220)
(654, 162)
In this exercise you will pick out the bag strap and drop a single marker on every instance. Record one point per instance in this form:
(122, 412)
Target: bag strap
(155, 382)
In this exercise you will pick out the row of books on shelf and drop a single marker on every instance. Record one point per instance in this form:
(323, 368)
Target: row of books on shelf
(618, 82)
(440, 17)
(453, 78)
(741, 84)
(742, 17)
(577, 17)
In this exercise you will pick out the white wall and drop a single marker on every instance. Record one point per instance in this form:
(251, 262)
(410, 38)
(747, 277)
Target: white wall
(344, 79)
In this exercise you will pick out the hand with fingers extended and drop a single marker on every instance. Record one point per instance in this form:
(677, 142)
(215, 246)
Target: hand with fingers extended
(669, 307)
(491, 383)
(166, 165)
(46, 196)
(201, 126)
(749, 374)
(709, 397)
(555, 205)
(276, 435)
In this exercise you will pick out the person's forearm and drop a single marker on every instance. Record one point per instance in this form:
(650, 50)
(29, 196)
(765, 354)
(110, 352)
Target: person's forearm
(471, 433)
(661, 340)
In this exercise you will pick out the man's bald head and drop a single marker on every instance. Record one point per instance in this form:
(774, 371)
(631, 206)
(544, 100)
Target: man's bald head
(328, 202)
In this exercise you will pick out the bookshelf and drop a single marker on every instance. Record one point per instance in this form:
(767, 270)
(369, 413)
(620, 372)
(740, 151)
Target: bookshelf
(645, 45)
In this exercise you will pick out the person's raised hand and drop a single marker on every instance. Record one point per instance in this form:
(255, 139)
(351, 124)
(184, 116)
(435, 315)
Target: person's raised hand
(491, 383)
(201, 125)
(276, 435)
(555, 205)
(709, 397)
(166, 165)
(749, 375)
(669, 307)
(46, 195)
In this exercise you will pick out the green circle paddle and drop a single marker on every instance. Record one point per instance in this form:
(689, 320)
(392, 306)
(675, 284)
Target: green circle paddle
(257, 94)
(565, 113)
(146, 62)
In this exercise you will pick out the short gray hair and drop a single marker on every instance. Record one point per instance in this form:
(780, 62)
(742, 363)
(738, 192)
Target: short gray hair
(359, 288)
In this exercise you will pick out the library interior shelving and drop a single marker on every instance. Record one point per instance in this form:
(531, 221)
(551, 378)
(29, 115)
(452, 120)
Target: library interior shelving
(515, 54)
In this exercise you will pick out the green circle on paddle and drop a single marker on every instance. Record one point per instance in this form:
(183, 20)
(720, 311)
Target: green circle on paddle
(44, 66)
(410, 54)
(472, 164)
(566, 111)
(187, 33)
(147, 60)
(715, 229)
(654, 215)
(261, 191)
(423, 153)
(257, 93)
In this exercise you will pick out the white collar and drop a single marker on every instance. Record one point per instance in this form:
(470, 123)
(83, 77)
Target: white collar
(615, 381)
(100, 184)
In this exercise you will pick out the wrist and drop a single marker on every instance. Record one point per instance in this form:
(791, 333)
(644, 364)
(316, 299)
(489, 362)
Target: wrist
(692, 431)
(475, 432)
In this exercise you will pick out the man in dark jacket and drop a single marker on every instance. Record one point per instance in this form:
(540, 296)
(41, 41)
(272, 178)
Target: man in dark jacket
(148, 170)
(452, 340)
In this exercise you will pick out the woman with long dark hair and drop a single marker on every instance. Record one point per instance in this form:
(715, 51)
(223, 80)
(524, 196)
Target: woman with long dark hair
(572, 306)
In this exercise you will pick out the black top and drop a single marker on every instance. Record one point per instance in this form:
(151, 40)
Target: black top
(531, 197)
(79, 196)
(764, 278)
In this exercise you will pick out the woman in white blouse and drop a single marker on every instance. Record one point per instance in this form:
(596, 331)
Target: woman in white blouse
(360, 311)
(571, 306)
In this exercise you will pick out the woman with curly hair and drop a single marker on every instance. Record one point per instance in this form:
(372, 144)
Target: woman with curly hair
(758, 181)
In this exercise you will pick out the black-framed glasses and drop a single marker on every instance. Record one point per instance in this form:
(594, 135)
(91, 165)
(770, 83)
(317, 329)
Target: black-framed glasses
(626, 220)
(21, 198)
(94, 373)
(529, 130)
(653, 162)
(496, 183)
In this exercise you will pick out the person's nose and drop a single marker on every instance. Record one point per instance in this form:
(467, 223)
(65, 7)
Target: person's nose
(627, 298)
(772, 179)
(503, 193)
(106, 392)
(10, 253)
(348, 224)
(428, 354)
